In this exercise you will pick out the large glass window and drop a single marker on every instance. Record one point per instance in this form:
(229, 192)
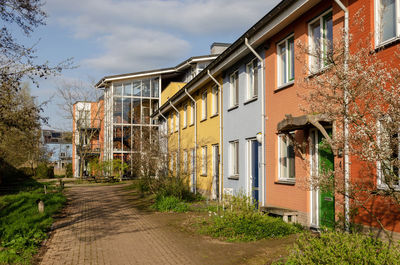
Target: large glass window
(118, 90)
(155, 87)
(127, 110)
(128, 89)
(146, 111)
(146, 88)
(321, 40)
(136, 111)
(137, 87)
(286, 158)
(286, 61)
(117, 110)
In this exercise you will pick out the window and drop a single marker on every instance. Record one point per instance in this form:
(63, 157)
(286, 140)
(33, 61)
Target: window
(386, 17)
(185, 161)
(388, 166)
(252, 79)
(184, 116)
(171, 123)
(234, 89)
(204, 106)
(286, 158)
(204, 161)
(215, 103)
(234, 158)
(192, 113)
(286, 61)
(321, 37)
(176, 122)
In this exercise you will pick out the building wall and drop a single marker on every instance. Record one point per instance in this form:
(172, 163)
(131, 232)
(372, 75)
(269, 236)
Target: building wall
(240, 123)
(207, 136)
(283, 101)
(170, 90)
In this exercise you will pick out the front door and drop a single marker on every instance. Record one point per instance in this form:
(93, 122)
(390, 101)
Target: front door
(215, 191)
(322, 198)
(254, 169)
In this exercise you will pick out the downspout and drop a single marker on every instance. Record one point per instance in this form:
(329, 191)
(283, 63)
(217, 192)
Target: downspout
(195, 141)
(178, 162)
(221, 158)
(346, 121)
(166, 120)
(246, 42)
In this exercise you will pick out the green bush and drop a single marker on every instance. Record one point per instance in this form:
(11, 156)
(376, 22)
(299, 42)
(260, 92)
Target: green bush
(68, 171)
(22, 227)
(342, 248)
(176, 187)
(170, 204)
(43, 171)
(246, 226)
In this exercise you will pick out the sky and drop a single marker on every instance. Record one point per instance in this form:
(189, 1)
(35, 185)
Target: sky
(107, 37)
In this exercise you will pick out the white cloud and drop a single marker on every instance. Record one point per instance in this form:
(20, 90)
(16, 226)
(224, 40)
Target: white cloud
(136, 35)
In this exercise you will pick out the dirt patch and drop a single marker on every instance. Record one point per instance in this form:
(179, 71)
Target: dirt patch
(208, 250)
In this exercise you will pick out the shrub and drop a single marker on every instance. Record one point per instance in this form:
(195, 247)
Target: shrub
(68, 171)
(176, 187)
(170, 204)
(246, 226)
(342, 248)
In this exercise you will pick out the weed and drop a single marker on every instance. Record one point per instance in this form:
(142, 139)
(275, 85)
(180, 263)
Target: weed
(170, 204)
(342, 248)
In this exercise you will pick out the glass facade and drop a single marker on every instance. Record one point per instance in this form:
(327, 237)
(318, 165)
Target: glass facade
(128, 127)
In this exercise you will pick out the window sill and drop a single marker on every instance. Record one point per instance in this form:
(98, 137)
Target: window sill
(233, 107)
(385, 187)
(203, 175)
(234, 177)
(184, 127)
(284, 86)
(289, 182)
(386, 44)
(191, 125)
(250, 100)
(214, 115)
(204, 119)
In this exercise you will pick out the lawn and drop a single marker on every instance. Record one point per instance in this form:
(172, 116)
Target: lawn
(22, 227)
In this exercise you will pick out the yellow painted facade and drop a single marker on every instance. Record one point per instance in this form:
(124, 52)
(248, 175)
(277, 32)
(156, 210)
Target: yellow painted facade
(170, 90)
(208, 138)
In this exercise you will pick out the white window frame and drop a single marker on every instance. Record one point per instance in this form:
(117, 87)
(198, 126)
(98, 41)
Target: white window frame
(192, 108)
(377, 10)
(204, 105)
(171, 123)
(234, 159)
(380, 175)
(185, 107)
(313, 66)
(252, 70)
(234, 89)
(204, 161)
(215, 98)
(289, 60)
(185, 161)
(285, 176)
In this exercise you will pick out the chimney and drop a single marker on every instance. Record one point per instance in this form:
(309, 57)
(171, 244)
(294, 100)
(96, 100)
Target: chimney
(218, 47)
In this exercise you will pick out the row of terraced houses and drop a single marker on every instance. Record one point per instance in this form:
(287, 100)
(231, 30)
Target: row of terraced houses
(227, 115)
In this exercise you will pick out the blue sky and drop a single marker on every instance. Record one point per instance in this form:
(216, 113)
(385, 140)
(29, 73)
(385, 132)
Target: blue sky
(107, 37)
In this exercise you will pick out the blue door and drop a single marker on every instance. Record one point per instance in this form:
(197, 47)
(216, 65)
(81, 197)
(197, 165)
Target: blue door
(255, 170)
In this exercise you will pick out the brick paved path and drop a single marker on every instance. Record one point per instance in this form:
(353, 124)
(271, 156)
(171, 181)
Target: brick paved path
(101, 227)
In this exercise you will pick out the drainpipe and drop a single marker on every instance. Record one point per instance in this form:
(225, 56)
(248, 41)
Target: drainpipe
(221, 168)
(346, 121)
(246, 42)
(178, 162)
(166, 120)
(195, 141)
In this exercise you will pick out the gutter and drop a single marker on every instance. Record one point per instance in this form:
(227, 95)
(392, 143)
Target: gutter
(221, 158)
(346, 121)
(263, 181)
(194, 184)
(178, 162)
